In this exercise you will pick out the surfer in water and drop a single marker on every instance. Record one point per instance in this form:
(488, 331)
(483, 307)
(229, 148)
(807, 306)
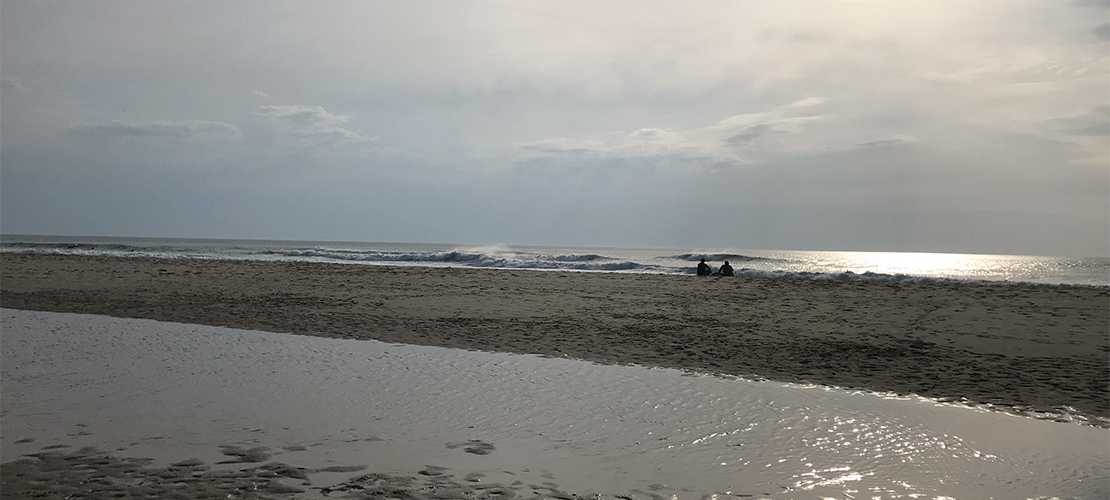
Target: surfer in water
(704, 269)
(726, 270)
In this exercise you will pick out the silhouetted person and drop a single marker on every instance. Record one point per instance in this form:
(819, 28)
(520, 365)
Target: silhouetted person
(726, 270)
(703, 269)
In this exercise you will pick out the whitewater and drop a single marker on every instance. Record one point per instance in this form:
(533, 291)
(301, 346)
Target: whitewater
(782, 264)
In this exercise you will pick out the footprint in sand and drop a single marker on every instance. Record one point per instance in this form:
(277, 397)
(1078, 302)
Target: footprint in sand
(253, 455)
(473, 446)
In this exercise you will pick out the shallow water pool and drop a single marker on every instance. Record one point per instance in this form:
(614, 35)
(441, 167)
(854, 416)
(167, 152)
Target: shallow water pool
(173, 391)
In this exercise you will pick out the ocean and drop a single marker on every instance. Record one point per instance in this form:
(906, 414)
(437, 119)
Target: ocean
(780, 264)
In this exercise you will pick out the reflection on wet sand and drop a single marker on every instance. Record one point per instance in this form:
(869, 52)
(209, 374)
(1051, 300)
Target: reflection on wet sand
(235, 407)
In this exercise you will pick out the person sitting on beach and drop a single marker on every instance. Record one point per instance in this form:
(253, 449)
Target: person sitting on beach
(703, 269)
(726, 270)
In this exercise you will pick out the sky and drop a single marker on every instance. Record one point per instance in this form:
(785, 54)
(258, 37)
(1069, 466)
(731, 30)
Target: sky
(980, 126)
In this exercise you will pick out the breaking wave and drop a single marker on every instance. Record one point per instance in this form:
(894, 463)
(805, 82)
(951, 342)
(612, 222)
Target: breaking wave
(469, 258)
(717, 257)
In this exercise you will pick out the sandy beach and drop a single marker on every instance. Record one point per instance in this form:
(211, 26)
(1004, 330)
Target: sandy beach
(1018, 348)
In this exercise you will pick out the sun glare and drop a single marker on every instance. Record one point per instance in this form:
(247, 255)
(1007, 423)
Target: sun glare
(918, 264)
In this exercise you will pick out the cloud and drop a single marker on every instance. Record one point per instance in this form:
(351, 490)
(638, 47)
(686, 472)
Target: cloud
(807, 102)
(192, 129)
(750, 134)
(886, 142)
(737, 140)
(1102, 32)
(563, 145)
(1093, 124)
(651, 132)
(314, 123)
(1092, 3)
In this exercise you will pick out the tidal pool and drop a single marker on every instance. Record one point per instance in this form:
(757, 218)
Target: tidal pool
(171, 392)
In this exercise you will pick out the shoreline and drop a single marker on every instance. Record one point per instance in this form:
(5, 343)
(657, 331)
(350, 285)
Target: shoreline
(1018, 348)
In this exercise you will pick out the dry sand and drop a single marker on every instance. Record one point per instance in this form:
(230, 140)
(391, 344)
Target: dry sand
(1019, 348)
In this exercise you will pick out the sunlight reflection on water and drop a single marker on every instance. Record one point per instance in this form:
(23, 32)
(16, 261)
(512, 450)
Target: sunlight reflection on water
(968, 266)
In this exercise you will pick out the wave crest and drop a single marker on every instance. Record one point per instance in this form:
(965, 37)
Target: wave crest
(716, 257)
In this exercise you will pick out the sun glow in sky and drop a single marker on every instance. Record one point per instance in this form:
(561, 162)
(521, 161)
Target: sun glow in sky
(921, 126)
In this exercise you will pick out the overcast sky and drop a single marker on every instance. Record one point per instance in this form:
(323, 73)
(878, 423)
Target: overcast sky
(979, 126)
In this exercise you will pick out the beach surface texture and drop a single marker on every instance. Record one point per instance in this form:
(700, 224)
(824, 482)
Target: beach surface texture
(1025, 349)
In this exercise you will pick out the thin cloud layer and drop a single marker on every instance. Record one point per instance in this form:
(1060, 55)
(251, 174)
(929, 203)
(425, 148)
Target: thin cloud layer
(314, 123)
(796, 129)
(192, 129)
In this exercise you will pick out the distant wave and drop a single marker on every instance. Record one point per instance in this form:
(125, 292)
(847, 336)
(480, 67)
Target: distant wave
(483, 258)
(732, 257)
(374, 256)
(27, 247)
(579, 258)
(104, 250)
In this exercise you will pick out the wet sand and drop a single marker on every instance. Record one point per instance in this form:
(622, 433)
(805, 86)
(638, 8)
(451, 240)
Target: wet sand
(1019, 348)
(92, 473)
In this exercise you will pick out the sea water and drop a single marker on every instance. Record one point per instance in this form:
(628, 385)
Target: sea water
(848, 266)
(173, 391)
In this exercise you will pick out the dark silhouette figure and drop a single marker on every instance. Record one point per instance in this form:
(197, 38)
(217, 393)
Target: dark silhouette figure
(703, 269)
(726, 270)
